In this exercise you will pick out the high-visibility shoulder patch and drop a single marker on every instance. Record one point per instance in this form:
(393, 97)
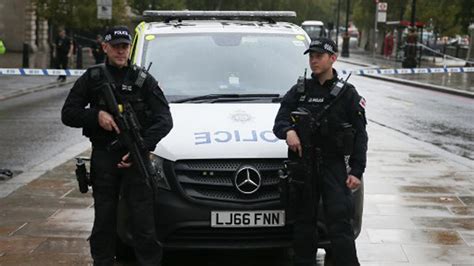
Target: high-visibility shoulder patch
(362, 102)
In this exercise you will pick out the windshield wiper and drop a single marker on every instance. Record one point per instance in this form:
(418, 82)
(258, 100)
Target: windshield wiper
(226, 96)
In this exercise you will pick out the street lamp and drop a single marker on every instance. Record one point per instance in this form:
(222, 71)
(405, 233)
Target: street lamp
(470, 55)
(337, 22)
(410, 49)
(345, 39)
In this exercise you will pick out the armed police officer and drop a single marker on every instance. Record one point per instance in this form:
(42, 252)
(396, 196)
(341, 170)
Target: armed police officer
(63, 49)
(339, 145)
(111, 167)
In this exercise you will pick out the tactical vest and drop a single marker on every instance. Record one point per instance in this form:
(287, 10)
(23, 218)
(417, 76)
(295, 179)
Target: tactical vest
(130, 90)
(335, 134)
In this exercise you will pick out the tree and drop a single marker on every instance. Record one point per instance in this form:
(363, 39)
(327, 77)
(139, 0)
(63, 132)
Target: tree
(466, 15)
(71, 13)
(138, 6)
(448, 17)
(305, 9)
(442, 14)
(364, 12)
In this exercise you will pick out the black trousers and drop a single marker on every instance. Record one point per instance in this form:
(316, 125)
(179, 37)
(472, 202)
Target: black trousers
(338, 210)
(62, 62)
(107, 180)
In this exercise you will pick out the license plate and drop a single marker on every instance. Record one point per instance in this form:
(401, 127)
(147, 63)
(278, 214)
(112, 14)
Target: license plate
(274, 218)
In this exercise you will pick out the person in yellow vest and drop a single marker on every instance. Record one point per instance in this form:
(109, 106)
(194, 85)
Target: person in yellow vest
(3, 49)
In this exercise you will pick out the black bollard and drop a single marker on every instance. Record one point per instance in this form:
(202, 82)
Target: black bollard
(26, 55)
(79, 57)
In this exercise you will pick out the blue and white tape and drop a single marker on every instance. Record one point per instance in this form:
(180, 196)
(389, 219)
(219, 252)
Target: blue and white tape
(367, 71)
(402, 71)
(41, 72)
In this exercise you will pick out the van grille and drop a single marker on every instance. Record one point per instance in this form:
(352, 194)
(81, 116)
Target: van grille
(214, 179)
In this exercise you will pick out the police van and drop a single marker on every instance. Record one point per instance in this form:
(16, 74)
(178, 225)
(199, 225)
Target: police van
(224, 73)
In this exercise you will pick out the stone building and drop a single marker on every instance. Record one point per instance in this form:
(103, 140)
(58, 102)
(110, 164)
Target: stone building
(20, 24)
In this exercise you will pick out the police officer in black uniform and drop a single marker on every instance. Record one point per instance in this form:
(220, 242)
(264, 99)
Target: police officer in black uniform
(64, 48)
(110, 167)
(337, 180)
(97, 50)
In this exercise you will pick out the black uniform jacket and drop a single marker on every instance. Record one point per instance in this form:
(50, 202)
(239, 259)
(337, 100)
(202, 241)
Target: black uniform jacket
(62, 46)
(80, 109)
(349, 109)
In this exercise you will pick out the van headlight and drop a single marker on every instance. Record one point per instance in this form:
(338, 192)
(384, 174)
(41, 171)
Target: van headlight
(160, 178)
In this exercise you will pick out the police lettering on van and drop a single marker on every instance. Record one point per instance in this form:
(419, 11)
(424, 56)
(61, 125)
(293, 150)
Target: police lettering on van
(223, 136)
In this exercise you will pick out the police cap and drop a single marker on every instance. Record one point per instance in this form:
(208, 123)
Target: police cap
(118, 34)
(322, 45)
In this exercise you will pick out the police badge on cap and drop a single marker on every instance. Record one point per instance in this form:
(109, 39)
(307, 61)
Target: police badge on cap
(118, 34)
(322, 45)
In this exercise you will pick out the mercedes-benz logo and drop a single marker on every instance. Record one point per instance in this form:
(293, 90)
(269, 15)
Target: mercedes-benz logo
(247, 179)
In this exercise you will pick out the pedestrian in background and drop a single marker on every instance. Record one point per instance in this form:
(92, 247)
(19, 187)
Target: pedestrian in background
(388, 43)
(3, 49)
(97, 50)
(63, 50)
(334, 181)
(111, 168)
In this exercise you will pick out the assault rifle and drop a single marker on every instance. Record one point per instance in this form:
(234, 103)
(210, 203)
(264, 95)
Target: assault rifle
(129, 137)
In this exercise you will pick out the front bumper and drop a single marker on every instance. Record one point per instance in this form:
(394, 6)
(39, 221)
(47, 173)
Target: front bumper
(186, 225)
(184, 217)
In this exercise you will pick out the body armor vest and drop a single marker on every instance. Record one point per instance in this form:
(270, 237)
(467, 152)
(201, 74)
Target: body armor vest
(128, 90)
(335, 134)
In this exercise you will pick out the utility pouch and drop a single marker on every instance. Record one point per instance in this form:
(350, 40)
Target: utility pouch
(82, 175)
(348, 134)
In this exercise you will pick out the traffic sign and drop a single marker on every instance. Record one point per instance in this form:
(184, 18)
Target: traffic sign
(381, 16)
(104, 2)
(382, 6)
(104, 9)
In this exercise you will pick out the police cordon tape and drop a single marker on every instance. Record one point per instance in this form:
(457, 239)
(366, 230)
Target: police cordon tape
(41, 72)
(395, 71)
(366, 71)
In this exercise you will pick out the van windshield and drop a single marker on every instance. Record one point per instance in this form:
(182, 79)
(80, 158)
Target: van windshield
(188, 65)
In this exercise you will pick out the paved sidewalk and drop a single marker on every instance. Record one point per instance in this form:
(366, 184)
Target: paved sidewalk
(14, 86)
(419, 210)
(366, 57)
